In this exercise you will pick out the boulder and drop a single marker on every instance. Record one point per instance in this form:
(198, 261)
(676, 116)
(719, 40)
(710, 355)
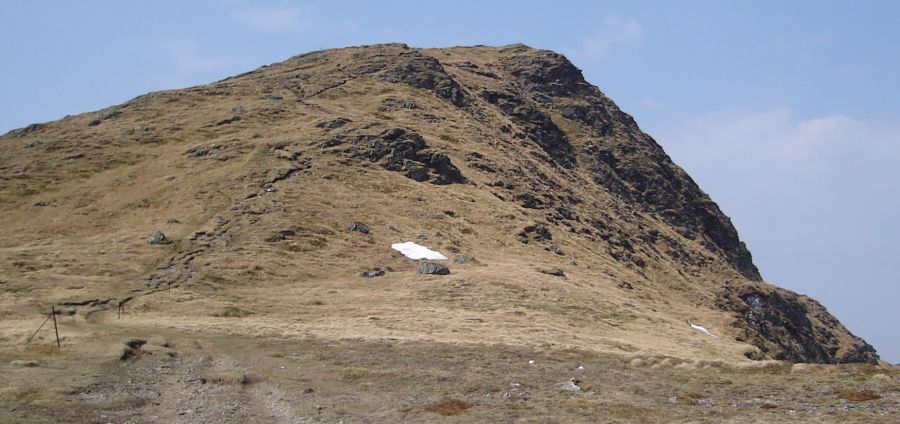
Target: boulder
(433, 268)
(372, 273)
(555, 249)
(158, 238)
(556, 272)
(358, 227)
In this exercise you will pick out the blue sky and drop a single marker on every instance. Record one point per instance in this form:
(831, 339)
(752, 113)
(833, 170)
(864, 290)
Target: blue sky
(787, 113)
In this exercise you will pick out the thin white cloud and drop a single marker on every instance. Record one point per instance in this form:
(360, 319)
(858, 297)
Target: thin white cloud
(270, 18)
(613, 32)
(770, 148)
(187, 59)
(792, 183)
(302, 17)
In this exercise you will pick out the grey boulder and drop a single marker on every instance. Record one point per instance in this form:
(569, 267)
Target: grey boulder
(433, 268)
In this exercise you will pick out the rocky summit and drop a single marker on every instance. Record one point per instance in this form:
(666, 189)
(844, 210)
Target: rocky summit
(257, 208)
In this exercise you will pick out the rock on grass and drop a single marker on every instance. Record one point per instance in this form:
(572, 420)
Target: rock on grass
(433, 268)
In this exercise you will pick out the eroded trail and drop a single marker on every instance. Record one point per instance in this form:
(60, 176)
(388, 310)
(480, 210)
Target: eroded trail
(161, 382)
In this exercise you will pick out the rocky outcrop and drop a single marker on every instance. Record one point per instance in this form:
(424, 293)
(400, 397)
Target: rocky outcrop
(536, 125)
(425, 72)
(534, 233)
(404, 151)
(624, 160)
(791, 327)
(24, 131)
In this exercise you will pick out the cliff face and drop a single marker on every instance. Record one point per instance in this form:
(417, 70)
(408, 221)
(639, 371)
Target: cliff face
(493, 152)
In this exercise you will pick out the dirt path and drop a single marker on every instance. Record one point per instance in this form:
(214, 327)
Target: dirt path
(199, 384)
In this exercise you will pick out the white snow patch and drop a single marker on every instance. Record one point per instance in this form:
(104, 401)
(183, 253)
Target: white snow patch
(701, 328)
(417, 251)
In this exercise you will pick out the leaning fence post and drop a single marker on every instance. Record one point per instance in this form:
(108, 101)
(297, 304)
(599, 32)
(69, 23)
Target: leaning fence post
(55, 328)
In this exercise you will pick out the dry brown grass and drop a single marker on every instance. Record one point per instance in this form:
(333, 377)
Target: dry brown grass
(858, 395)
(232, 312)
(448, 407)
(44, 349)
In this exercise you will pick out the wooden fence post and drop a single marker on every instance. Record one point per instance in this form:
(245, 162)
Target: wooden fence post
(55, 328)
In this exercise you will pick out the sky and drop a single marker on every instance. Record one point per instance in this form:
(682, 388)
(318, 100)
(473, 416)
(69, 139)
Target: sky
(786, 113)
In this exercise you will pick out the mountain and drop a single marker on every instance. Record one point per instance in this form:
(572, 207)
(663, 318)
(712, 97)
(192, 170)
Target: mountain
(253, 206)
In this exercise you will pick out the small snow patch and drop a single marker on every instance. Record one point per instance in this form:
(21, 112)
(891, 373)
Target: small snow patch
(416, 251)
(701, 328)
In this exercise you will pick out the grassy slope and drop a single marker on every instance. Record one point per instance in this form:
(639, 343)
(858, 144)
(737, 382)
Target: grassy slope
(78, 206)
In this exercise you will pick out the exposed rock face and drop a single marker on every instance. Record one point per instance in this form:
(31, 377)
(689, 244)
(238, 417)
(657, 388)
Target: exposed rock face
(399, 150)
(627, 162)
(22, 132)
(540, 165)
(406, 152)
(790, 327)
(536, 126)
(534, 233)
(424, 72)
